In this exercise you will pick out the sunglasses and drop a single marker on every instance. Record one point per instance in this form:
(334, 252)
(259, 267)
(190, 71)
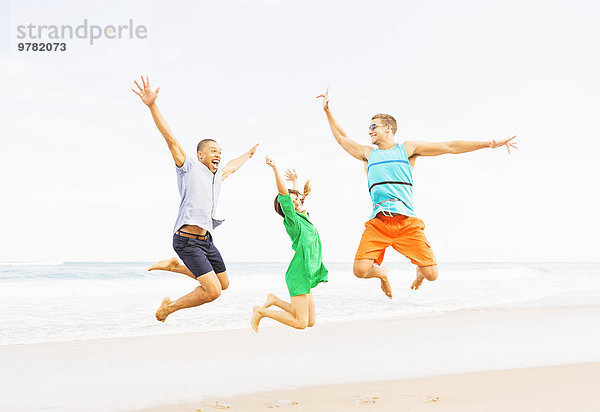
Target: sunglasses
(374, 126)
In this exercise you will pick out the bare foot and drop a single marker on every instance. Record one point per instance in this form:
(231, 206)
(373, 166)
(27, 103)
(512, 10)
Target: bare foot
(163, 311)
(385, 283)
(167, 265)
(386, 287)
(270, 300)
(418, 281)
(256, 317)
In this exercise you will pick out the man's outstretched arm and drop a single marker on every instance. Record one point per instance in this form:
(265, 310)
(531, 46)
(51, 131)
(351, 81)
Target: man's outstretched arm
(414, 148)
(355, 149)
(236, 163)
(149, 99)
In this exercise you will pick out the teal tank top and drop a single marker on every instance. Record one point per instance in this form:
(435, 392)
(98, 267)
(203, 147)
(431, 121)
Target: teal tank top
(389, 174)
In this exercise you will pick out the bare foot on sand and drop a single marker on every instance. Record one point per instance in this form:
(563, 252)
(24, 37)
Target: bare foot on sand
(256, 317)
(418, 281)
(270, 301)
(167, 265)
(163, 311)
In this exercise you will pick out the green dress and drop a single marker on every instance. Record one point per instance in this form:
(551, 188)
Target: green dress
(306, 270)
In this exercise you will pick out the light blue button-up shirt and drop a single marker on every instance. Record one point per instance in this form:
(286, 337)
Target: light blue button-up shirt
(199, 189)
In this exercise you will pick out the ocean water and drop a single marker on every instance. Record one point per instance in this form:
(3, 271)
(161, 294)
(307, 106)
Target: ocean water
(53, 302)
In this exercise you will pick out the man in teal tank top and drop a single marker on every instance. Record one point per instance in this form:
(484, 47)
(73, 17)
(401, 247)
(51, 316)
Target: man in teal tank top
(393, 220)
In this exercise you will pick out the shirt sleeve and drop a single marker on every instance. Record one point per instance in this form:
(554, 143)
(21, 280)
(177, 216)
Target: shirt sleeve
(185, 167)
(287, 206)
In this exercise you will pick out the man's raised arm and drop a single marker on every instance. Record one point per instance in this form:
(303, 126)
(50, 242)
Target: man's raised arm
(414, 148)
(355, 149)
(238, 162)
(149, 99)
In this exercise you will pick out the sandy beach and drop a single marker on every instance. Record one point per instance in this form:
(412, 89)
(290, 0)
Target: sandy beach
(238, 367)
(553, 388)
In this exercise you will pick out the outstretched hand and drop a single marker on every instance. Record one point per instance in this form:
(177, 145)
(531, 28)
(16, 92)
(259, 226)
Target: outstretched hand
(290, 174)
(507, 142)
(270, 162)
(253, 150)
(325, 97)
(146, 94)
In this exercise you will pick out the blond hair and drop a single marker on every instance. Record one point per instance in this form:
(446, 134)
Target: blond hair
(306, 191)
(387, 119)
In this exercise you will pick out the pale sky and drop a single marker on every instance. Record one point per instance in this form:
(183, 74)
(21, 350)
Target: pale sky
(87, 177)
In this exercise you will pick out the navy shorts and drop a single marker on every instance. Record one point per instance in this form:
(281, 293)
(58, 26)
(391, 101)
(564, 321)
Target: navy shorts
(200, 256)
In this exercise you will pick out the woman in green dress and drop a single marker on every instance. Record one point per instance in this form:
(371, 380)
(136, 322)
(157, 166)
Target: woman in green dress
(306, 270)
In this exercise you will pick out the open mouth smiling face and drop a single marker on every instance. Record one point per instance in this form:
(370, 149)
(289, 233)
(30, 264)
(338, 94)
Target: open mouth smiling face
(210, 156)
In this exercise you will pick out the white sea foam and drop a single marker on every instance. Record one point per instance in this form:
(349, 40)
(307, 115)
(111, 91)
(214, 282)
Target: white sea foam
(45, 303)
(49, 263)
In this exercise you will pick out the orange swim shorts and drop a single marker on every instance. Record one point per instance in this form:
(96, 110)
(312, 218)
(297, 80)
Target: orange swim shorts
(403, 233)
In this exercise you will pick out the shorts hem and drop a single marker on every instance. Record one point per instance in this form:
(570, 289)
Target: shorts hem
(366, 256)
(423, 264)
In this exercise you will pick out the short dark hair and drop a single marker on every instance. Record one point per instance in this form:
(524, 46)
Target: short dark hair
(203, 143)
(387, 119)
(278, 206)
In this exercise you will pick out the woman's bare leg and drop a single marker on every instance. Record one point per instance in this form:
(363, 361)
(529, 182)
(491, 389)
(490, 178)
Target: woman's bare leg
(280, 303)
(312, 313)
(172, 265)
(273, 300)
(296, 318)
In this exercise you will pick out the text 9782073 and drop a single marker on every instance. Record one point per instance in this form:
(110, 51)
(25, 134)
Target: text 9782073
(41, 47)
